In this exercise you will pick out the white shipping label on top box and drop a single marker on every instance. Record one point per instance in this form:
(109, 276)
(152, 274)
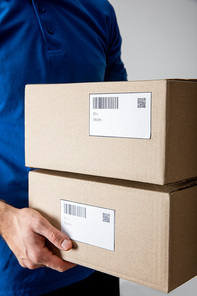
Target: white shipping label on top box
(126, 115)
(88, 224)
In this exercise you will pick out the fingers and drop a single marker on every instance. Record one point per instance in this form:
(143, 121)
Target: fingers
(58, 264)
(56, 237)
(53, 264)
(28, 232)
(45, 258)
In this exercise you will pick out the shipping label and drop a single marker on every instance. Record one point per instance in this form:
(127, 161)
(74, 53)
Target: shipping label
(126, 115)
(88, 224)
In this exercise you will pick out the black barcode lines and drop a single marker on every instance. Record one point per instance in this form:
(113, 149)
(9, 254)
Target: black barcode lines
(105, 102)
(75, 210)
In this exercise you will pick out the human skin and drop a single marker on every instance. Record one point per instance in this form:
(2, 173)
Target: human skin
(26, 232)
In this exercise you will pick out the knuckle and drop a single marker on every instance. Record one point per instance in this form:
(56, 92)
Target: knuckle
(27, 264)
(31, 265)
(61, 269)
(22, 264)
(36, 257)
(54, 237)
(38, 223)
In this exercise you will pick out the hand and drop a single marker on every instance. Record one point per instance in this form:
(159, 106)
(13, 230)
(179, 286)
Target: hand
(25, 231)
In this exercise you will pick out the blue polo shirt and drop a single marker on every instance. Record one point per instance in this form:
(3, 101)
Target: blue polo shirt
(61, 41)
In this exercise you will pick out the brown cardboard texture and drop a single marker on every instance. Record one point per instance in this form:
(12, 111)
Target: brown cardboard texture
(59, 120)
(155, 226)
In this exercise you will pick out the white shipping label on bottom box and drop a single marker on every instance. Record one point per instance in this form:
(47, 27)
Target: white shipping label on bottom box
(124, 115)
(88, 224)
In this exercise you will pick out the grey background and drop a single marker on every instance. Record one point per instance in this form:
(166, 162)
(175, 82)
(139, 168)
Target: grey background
(159, 38)
(159, 41)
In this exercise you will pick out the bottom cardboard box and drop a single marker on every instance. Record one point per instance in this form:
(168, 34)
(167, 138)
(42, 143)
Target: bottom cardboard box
(140, 232)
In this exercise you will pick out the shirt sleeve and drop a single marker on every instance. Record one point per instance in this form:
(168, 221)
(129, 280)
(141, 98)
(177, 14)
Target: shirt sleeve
(115, 70)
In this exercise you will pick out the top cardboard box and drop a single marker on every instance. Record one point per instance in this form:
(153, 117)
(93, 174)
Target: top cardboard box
(142, 130)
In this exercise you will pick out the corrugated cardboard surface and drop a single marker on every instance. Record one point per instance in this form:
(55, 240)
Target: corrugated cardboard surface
(57, 132)
(155, 226)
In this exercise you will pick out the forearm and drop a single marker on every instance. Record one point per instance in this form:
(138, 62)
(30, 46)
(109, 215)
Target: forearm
(3, 208)
(5, 211)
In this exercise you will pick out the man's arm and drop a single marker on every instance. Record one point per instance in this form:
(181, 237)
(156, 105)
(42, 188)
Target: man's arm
(25, 231)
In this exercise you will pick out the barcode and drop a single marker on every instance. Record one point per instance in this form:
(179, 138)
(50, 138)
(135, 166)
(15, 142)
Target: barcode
(141, 102)
(75, 210)
(105, 102)
(106, 217)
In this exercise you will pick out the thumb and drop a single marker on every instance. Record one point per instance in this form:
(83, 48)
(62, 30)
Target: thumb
(56, 237)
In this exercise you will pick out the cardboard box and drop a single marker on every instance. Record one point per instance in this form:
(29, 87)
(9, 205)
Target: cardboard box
(142, 130)
(143, 233)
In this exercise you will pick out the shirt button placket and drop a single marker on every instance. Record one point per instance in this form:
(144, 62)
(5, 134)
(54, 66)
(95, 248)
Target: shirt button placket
(50, 29)
(46, 29)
